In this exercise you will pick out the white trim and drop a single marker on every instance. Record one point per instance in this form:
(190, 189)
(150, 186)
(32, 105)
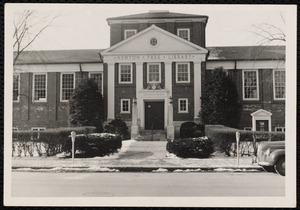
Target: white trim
(131, 73)
(276, 129)
(184, 29)
(187, 105)
(261, 114)
(101, 82)
(19, 83)
(189, 72)
(122, 111)
(274, 92)
(74, 84)
(38, 128)
(159, 70)
(129, 30)
(243, 85)
(195, 19)
(33, 84)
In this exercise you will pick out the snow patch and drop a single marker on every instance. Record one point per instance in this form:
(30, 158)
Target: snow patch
(160, 170)
(171, 155)
(227, 169)
(188, 170)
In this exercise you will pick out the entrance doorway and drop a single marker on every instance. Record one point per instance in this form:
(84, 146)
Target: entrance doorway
(262, 125)
(154, 115)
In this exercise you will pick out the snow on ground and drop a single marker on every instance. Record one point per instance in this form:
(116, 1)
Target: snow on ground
(160, 170)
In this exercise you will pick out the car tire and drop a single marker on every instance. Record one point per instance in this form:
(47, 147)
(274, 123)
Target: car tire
(280, 166)
(269, 169)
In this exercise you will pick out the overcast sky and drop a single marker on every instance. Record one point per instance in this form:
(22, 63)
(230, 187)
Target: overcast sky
(85, 26)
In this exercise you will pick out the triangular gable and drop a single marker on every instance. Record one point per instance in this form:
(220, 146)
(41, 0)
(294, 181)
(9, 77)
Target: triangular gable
(261, 112)
(167, 42)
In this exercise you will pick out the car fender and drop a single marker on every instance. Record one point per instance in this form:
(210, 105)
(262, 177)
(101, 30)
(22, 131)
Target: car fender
(276, 154)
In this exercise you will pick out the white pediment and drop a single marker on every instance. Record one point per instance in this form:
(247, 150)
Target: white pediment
(166, 43)
(261, 112)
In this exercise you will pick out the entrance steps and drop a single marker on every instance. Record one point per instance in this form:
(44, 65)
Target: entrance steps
(155, 135)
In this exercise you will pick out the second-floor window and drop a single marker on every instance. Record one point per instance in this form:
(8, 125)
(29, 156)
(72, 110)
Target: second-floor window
(67, 86)
(129, 32)
(40, 87)
(250, 85)
(16, 87)
(184, 33)
(98, 78)
(153, 73)
(279, 84)
(125, 74)
(182, 72)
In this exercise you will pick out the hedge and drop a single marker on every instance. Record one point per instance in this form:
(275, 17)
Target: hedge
(223, 137)
(200, 147)
(191, 130)
(95, 144)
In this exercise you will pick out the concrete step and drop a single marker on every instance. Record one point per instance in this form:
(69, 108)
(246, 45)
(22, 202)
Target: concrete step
(155, 135)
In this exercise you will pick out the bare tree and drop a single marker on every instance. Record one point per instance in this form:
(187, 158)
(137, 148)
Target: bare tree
(28, 26)
(269, 32)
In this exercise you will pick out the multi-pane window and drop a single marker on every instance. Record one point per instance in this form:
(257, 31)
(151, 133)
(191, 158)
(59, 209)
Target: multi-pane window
(279, 84)
(125, 73)
(129, 32)
(184, 33)
(98, 78)
(154, 73)
(125, 105)
(182, 72)
(183, 105)
(38, 128)
(67, 86)
(39, 87)
(250, 85)
(16, 87)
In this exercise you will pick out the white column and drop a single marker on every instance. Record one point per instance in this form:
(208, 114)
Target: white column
(168, 76)
(134, 126)
(139, 86)
(170, 127)
(110, 91)
(197, 89)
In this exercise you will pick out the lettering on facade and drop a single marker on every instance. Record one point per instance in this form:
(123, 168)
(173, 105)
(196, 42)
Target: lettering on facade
(154, 57)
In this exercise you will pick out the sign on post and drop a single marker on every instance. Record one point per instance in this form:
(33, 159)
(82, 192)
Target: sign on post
(73, 135)
(237, 145)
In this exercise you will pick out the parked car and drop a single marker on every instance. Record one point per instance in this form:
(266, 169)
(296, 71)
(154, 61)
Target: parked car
(271, 156)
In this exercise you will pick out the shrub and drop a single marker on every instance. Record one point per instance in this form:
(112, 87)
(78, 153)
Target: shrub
(191, 130)
(118, 127)
(95, 144)
(200, 147)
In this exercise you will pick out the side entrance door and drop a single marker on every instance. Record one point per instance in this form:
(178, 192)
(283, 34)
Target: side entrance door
(154, 115)
(262, 125)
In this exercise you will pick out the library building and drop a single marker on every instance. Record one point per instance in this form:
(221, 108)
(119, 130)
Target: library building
(152, 77)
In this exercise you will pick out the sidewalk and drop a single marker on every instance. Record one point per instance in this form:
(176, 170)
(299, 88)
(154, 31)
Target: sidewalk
(136, 156)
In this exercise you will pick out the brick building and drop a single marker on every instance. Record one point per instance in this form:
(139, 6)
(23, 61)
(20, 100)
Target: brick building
(151, 76)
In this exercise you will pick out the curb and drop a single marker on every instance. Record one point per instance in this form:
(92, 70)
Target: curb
(139, 169)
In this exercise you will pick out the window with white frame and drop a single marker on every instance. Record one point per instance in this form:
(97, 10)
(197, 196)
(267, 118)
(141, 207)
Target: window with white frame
(183, 105)
(98, 78)
(153, 73)
(16, 87)
(182, 72)
(279, 84)
(129, 32)
(280, 129)
(38, 128)
(125, 73)
(125, 106)
(184, 33)
(250, 85)
(67, 86)
(40, 87)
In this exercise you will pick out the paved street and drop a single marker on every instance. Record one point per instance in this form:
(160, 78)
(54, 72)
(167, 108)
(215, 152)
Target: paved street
(39, 184)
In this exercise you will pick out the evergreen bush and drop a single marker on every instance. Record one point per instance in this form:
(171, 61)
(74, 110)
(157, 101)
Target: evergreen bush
(191, 130)
(201, 147)
(118, 127)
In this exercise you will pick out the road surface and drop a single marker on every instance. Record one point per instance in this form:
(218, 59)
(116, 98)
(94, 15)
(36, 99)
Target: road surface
(40, 184)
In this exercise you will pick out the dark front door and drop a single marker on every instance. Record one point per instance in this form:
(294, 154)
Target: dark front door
(154, 115)
(262, 125)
